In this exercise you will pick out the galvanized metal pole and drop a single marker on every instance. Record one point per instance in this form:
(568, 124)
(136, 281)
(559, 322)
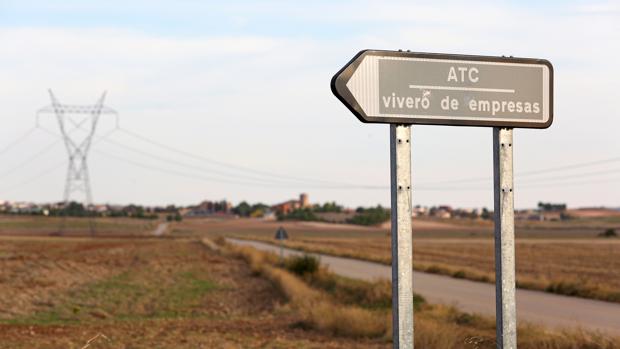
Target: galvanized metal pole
(505, 302)
(402, 273)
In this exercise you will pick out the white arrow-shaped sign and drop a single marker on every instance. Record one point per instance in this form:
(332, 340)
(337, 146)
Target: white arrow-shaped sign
(427, 88)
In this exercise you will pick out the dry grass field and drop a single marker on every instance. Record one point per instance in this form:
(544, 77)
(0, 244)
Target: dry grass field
(176, 292)
(360, 309)
(560, 257)
(585, 268)
(61, 292)
(41, 225)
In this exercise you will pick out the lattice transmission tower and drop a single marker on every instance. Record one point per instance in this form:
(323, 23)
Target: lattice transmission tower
(72, 118)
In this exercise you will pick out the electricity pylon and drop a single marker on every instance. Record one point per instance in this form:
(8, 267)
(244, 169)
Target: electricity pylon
(77, 172)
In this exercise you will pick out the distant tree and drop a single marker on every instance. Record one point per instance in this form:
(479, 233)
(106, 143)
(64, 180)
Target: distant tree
(302, 214)
(608, 233)
(328, 207)
(74, 209)
(485, 213)
(370, 216)
(432, 211)
(547, 206)
(258, 209)
(257, 213)
(243, 209)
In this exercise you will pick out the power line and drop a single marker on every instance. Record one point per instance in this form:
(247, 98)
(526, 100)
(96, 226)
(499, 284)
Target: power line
(105, 136)
(176, 162)
(577, 175)
(173, 172)
(228, 165)
(36, 177)
(568, 167)
(553, 185)
(18, 140)
(257, 180)
(32, 158)
(530, 173)
(39, 153)
(224, 180)
(519, 186)
(421, 187)
(290, 180)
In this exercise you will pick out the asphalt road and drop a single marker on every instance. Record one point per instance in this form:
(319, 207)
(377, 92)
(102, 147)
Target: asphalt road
(533, 306)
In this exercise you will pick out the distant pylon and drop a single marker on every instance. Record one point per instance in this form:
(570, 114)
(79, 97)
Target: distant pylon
(77, 172)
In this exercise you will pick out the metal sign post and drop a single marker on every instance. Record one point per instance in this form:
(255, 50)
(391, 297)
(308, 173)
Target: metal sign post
(402, 268)
(281, 235)
(505, 303)
(405, 88)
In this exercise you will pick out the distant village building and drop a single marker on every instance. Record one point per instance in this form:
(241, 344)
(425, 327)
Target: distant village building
(210, 208)
(269, 215)
(101, 209)
(292, 205)
(419, 211)
(303, 200)
(545, 212)
(443, 212)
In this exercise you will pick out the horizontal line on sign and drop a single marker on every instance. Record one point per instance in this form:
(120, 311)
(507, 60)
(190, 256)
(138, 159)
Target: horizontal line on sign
(453, 88)
(463, 118)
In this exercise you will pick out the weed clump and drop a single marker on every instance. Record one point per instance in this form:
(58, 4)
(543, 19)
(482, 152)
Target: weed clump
(608, 233)
(303, 265)
(361, 309)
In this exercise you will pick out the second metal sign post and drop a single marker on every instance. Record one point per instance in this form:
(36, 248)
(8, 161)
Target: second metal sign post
(402, 254)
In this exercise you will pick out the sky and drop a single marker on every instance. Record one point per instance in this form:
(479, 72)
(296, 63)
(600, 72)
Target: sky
(231, 100)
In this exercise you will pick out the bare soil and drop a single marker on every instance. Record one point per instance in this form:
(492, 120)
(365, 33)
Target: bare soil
(142, 293)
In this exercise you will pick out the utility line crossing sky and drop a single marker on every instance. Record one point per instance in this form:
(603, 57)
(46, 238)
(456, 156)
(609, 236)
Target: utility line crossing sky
(232, 100)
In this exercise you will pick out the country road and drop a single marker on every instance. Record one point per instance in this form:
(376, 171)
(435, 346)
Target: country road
(477, 297)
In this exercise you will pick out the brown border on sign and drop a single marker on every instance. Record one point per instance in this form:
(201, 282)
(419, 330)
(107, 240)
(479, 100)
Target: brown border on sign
(339, 89)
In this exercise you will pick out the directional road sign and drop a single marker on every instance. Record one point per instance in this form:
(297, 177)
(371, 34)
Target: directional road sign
(281, 234)
(440, 89)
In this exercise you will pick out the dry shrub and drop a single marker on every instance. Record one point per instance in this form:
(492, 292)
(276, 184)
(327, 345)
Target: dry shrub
(321, 312)
(436, 326)
(302, 265)
(255, 258)
(220, 241)
(294, 289)
(373, 295)
(347, 320)
(535, 337)
(317, 308)
(208, 243)
(431, 333)
(456, 272)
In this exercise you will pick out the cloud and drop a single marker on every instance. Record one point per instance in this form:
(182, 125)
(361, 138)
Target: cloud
(607, 8)
(262, 100)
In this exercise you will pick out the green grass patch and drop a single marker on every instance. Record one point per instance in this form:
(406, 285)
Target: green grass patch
(38, 223)
(129, 296)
